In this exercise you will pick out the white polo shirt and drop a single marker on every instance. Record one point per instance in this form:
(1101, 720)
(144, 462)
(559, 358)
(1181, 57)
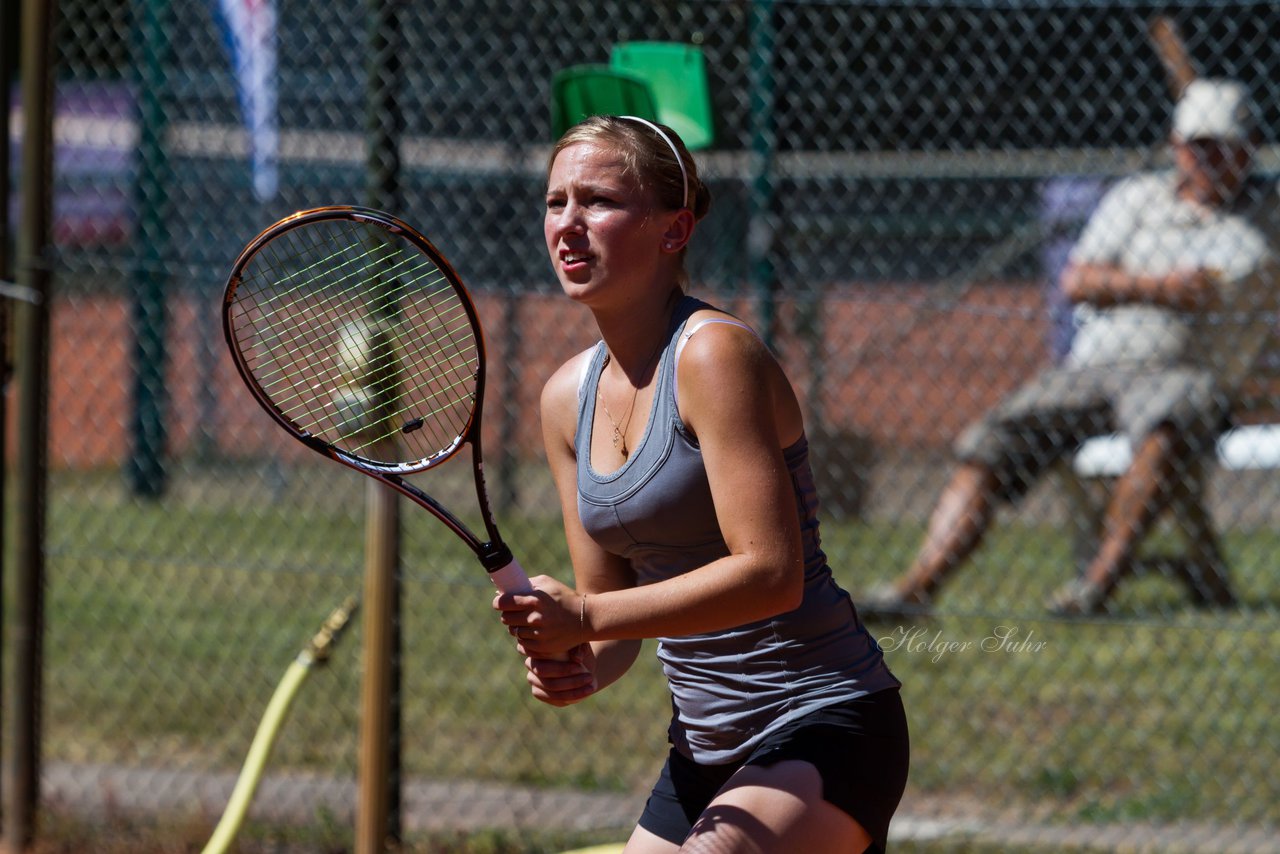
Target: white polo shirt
(1143, 226)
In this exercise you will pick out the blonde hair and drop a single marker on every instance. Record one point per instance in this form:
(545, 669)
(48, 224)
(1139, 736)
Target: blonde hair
(649, 153)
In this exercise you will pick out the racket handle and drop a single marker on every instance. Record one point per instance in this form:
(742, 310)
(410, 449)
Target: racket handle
(511, 578)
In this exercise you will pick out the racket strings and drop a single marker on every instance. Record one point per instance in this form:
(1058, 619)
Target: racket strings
(278, 321)
(307, 279)
(358, 337)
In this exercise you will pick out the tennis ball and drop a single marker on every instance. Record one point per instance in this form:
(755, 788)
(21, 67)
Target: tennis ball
(368, 355)
(354, 352)
(353, 407)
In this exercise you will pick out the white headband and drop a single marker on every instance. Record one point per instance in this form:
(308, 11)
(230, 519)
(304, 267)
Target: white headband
(684, 175)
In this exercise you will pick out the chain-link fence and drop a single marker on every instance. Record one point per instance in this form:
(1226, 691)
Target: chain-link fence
(896, 186)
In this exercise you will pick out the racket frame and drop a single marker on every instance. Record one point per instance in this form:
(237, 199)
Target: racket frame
(493, 553)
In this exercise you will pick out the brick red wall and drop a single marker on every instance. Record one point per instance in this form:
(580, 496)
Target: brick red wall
(901, 365)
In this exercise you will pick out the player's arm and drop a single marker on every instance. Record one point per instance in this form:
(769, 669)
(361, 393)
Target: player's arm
(736, 400)
(595, 570)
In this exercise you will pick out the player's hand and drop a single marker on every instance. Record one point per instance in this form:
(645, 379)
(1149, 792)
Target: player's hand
(546, 622)
(562, 682)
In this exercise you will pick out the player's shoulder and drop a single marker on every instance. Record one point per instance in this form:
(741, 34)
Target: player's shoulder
(563, 386)
(715, 343)
(711, 329)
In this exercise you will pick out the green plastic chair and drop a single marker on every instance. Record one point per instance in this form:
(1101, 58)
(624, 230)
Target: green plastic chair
(677, 75)
(581, 91)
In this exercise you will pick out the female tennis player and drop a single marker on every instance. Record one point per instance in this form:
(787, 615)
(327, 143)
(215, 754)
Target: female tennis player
(679, 454)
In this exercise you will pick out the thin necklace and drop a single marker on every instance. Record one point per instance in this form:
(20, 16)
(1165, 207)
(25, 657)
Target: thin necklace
(620, 432)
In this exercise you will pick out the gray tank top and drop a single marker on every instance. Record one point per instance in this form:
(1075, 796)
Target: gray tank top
(729, 688)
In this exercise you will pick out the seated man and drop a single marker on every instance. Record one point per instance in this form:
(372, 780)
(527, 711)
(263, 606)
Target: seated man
(1168, 281)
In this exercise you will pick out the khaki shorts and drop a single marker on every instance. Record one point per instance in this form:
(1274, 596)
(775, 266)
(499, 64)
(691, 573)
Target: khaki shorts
(1056, 411)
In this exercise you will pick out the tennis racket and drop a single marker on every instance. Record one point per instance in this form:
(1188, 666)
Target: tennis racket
(357, 337)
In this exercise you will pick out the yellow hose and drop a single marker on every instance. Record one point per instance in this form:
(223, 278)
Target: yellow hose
(316, 652)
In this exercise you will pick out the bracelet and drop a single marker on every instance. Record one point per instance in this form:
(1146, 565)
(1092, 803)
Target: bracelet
(582, 614)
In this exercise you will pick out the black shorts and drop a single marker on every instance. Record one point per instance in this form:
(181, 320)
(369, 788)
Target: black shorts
(860, 748)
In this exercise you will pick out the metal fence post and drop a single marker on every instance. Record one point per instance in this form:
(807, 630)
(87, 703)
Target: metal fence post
(146, 465)
(760, 192)
(22, 742)
(8, 45)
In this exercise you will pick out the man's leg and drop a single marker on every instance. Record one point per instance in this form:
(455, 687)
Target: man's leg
(1019, 438)
(1140, 494)
(956, 526)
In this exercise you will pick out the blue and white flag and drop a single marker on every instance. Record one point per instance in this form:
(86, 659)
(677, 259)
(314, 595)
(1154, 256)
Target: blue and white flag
(250, 31)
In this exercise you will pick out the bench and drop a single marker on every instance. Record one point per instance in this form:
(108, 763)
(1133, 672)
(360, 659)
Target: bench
(1252, 444)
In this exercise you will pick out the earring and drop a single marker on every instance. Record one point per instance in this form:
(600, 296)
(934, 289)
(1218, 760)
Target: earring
(666, 245)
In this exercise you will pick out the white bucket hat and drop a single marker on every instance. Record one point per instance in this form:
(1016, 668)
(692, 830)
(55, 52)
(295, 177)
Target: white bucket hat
(1213, 109)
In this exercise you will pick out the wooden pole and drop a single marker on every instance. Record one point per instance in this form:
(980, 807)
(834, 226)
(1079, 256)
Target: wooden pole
(380, 606)
(378, 814)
